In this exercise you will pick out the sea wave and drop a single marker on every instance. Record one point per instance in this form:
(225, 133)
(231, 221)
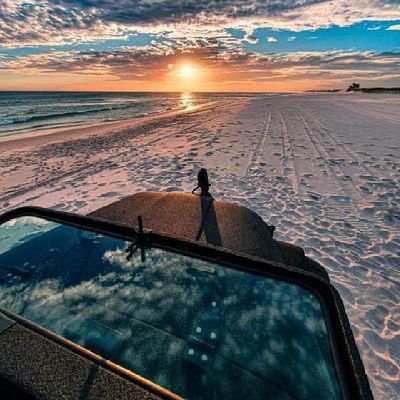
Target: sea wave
(6, 121)
(31, 111)
(65, 114)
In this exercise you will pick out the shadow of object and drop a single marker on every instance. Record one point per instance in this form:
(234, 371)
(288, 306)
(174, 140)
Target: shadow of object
(197, 218)
(209, 222)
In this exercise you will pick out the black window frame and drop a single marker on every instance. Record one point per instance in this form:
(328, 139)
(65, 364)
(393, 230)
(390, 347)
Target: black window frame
(348, 365)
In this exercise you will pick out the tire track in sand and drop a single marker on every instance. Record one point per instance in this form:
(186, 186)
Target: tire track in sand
(354, 157)
(254, 159)
(346, 185)
(348, 204)
(335, 141)
(288, 157)
(375, 114)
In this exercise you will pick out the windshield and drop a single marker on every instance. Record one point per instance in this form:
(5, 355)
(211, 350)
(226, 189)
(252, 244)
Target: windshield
(199, 329)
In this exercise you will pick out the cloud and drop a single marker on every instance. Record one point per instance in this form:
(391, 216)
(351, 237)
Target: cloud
(35, 23)
(160, 60)
(80, 21)
(197, 29)
(251, 39)
(172, 11)
(142, 12)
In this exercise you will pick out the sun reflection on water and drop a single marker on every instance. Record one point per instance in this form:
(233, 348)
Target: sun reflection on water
(187, 100)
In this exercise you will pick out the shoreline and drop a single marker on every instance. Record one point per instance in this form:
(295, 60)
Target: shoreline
(54, 135)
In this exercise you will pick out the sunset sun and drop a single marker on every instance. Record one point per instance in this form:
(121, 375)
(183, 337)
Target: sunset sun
(186, 71)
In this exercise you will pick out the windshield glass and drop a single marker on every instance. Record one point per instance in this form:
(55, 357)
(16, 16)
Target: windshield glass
(199, 329)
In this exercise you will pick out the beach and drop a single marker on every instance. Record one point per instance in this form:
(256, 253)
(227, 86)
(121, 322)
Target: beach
(324, 168)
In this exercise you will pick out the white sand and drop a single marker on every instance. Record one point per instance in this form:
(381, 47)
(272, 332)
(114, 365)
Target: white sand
(323, 168)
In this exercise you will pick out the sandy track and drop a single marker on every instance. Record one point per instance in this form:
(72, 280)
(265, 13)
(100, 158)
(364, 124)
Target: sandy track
(256, 154)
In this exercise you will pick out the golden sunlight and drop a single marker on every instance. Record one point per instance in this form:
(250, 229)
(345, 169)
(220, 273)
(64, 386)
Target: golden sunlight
(187, 76)
(187, 101)
(186, 71)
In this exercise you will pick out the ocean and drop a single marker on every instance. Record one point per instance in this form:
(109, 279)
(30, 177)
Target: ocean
(31, 111)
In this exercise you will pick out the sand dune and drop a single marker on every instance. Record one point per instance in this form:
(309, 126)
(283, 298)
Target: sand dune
(323, 168)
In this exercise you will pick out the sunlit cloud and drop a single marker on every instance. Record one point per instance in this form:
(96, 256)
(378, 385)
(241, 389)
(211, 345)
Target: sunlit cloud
(156, 62)
(251, 39)
(219, 40)
(62, 21)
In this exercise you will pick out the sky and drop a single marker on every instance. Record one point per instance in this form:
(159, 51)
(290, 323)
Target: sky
(198, 45)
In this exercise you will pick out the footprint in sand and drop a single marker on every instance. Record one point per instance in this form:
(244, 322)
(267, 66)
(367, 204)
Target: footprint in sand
(109, 194)
(79, 204)
(365, 189)
(340, 199)
(314, 196)
(368, 211)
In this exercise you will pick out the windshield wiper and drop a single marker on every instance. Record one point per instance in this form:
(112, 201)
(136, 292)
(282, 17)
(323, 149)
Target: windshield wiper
(138, 243)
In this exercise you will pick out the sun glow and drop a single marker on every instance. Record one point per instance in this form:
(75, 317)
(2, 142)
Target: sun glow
(186, 76)
(186, 71)
(187, 101)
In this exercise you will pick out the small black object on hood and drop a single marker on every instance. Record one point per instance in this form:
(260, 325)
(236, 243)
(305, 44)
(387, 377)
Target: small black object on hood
(203, 183)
